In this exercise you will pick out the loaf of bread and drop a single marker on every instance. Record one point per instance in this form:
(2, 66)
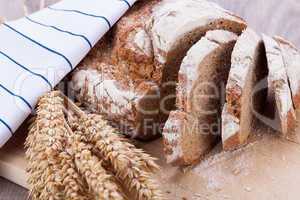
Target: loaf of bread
(279, 90)
(191, 131)
(245, 90)
(192, 71)
(140, 61)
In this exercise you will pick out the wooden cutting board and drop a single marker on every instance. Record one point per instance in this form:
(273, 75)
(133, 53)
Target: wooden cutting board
(268, 168)
(12, 158)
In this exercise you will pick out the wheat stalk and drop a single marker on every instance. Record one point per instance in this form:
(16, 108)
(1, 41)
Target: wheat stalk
(52, 173)
(55, 153)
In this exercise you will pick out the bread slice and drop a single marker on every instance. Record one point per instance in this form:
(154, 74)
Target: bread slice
(191, 131)
(174, 27)
(291, 57)
(279, 89)
(248, 71)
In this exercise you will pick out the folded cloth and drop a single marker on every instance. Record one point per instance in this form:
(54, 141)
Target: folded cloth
(37, 51)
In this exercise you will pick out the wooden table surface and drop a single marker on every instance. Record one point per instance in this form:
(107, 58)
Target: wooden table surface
(273, 17)
(11, 191)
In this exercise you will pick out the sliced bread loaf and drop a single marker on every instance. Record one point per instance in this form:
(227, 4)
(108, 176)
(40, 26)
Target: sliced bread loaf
(174, 27)
(191, 131)
(134, 61)
(279, 89)
(291, 57)
(248, 70)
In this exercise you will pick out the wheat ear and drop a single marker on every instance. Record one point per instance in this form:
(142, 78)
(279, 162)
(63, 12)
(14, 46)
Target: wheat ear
(126, 166)
(146, 162)
(102, 184)
(131, 166)
(51, 170)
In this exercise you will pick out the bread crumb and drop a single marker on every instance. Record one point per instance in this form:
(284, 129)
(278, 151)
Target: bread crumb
(248, 189)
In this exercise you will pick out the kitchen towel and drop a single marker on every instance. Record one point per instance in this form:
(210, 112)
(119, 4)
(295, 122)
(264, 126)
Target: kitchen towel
(38, 51)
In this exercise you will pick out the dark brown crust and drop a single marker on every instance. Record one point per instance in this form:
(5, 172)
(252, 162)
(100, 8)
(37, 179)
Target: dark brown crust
(291, 124)
(296, 100)
(232, 143)
(234, 101)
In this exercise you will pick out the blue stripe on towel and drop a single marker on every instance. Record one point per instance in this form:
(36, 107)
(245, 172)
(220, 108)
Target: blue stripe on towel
(41, 45)
(6, 125)
(127, 3)
(15, 95)
(58, 29)
(80, 12)
(25, 68)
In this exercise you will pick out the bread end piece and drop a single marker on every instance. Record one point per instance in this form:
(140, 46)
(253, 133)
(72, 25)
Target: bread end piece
(279, 87)
(291, 57)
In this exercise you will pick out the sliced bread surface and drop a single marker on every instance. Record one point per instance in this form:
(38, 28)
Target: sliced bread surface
(279, 89)
(174, 27)
(291, 57)
(248, 73)
(191, 131)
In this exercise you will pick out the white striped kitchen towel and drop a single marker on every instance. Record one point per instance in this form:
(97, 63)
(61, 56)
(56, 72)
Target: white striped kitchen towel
(37, 51)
